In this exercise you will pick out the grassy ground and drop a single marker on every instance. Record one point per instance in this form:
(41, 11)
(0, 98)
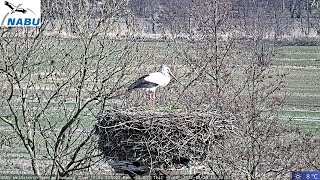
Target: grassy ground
(303, 84)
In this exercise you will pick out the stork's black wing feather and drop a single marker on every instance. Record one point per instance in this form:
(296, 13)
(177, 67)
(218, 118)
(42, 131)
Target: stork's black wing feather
(142, 83)
(8, 4)
(22, 10)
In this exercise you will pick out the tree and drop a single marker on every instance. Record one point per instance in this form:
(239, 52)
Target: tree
(237, 77)
(52, 88)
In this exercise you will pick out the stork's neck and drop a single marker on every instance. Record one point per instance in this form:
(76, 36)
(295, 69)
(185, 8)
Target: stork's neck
(165, 73)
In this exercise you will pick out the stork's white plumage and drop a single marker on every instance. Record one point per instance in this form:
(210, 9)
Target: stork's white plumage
(152, 81)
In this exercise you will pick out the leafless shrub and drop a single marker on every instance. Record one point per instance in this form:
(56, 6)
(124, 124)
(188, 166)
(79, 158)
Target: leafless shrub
(51, 87)
(230, 76)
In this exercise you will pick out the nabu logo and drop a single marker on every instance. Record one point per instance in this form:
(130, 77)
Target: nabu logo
(20, 12)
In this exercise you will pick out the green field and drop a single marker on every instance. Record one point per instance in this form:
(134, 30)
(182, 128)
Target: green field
(303, 85)
(302, 109)
(302, 63)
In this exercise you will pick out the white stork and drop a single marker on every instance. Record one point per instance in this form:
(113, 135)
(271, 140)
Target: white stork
(15, 8)
(152, 81)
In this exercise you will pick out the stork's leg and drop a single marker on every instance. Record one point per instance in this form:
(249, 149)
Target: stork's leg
(154, 97)
(151, 102)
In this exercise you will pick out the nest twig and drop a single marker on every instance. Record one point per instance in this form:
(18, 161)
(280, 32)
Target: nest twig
(161, 139)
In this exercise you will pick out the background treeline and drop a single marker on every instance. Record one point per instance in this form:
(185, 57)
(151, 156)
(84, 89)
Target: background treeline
(271, 19)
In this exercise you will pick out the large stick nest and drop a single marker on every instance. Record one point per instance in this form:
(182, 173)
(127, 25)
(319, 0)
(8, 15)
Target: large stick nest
(161, 139)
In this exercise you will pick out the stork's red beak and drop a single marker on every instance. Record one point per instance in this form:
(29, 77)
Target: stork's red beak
(172, 76)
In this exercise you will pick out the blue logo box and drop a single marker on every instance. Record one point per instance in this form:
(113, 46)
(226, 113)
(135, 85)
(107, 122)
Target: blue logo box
(305, 175)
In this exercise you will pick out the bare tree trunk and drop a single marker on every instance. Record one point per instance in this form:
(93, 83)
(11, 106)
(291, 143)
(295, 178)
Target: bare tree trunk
(277, 27)
(308, 16)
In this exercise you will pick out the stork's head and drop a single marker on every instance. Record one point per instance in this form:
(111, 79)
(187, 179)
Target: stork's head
(166, 71)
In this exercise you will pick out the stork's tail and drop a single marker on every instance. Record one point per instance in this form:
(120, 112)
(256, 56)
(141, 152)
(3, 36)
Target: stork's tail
(137, 83)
